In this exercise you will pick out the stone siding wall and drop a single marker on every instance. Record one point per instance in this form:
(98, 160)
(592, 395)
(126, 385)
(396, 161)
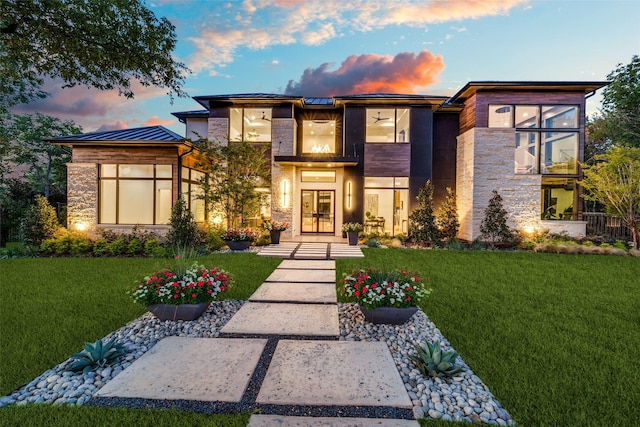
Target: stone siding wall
(218, 130)
(486, 163)
(283, 144)
(82, 195)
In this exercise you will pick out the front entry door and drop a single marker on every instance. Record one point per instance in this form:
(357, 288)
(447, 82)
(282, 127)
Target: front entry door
(318, 211)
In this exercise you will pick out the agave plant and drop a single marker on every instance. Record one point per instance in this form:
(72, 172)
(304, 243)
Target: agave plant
(96, 355)
(430, 360)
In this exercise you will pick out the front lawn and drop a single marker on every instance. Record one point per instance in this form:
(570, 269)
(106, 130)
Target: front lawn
(50, 307)
(555, 337)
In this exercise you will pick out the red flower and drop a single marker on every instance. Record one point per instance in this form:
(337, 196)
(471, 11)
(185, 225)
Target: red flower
(357, 293)
(193, 295)
(175, 296)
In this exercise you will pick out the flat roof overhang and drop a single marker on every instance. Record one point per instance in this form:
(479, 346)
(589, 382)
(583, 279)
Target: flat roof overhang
(315, 161)
(575, 86)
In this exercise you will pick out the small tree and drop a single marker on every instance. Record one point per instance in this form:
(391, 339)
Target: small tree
(233, 172)
(494, 226)
(615, 181)
(40, 222)
(447, 217)
(423, 223)
(183, 230)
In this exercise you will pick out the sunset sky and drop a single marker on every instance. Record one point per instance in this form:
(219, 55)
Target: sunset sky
(327, 47)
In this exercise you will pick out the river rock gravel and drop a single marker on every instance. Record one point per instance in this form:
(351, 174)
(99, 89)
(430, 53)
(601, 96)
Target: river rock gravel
(462, 398)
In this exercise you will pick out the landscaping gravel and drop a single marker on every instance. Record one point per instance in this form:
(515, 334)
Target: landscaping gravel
(462, 398)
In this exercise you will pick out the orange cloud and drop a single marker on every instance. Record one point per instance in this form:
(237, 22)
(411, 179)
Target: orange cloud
(156, 121)
(370, 73)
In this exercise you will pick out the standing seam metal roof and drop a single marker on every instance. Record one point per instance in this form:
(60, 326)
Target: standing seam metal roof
(149, 133)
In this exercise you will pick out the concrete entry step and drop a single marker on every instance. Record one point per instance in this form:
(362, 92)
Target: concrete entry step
(319, 293)
(161, 373)
(257, 420)
(305, 320)
(311, 251)
(283, 250)
(333, 373)
(302, 276)
(290, 264)
(340, 250)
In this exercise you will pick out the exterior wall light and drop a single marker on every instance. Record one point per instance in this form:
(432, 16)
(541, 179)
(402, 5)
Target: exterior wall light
(81, 226)
(348, 201)
(284, 193)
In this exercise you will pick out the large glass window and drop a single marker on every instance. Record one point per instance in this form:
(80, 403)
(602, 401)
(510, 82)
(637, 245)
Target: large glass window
(390, 125)
(546, 136)
(135, 194)
(386, 205)
(318, 137)
(250, 124)
(559, 198)
(192, 193)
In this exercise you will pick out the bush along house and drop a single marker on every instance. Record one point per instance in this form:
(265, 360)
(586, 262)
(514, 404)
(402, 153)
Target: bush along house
(353, 158)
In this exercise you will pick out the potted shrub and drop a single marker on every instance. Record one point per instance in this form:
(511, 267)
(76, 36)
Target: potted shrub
(275, 228)
(181, 294)
(239, 239)
(352, 229)
(385, 296)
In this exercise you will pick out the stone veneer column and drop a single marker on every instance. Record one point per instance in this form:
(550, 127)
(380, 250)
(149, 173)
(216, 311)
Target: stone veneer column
(82, 195)
(218, 130)
(283, 139)
(485, 162)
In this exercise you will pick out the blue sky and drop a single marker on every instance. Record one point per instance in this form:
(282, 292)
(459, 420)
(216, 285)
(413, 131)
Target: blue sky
(324, 47)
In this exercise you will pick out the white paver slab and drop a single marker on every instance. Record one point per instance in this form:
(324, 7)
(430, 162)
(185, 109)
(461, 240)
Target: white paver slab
(203, 369)
(258, 420)
(284, 319)
(290, 264)
(304, 276)
(333, 373)
(321, 293)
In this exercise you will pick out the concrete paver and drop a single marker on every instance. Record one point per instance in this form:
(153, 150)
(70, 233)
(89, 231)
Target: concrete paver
(290, 264)
(284, 319)
(203, 369)
(321, 293)
(258, 420)
(304, 276)
(333, 373)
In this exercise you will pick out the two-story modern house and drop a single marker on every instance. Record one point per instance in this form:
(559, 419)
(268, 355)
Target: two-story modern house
(353, 158)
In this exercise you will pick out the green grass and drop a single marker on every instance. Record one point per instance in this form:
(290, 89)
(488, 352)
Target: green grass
(45, 415)
(555, 337)
(50, 307)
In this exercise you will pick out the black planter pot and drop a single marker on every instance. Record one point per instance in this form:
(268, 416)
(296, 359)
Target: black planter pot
(239, 245)
(275, 237)
(179, 311)
(353, 237)
(388, 315)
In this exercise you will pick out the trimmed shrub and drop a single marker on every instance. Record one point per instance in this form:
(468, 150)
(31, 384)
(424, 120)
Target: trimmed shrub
(153, 249)
(447, 217)
(101, 248)
(494, 226)
(40, 222)
(118, 247)
(135, 247)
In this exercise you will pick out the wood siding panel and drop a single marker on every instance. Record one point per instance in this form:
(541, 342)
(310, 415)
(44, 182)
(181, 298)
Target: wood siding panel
(468, 115)
(387, 159)
(125, 155)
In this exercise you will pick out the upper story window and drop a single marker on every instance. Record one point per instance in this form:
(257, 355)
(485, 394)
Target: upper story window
(250, 124)
(546, 136)
(318, 137)
(387, 125)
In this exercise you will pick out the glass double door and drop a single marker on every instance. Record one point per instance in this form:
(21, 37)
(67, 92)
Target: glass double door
(318, 211)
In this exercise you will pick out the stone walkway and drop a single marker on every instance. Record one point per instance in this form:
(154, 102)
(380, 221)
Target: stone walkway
(308, 251)
(279, 355)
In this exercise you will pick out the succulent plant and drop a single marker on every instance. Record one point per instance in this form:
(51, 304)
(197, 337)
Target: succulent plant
(96, 355)
(430, 360)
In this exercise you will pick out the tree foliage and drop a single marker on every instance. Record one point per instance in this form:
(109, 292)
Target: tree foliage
(105, 44)
(46, 162)
(40, 223)
(447, 217)
(620, 120)
(423, 223)
(614, 180)
(494, 226)
(234, 171)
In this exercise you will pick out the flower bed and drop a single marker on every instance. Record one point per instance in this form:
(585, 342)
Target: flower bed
(240, 235)
(275, 225)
